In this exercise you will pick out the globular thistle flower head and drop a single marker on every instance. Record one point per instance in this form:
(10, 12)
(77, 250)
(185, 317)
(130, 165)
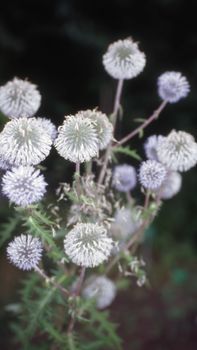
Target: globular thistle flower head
(49, 127)
(100, 288)
(102, 124)
(88, 244)
(124, 60)
(4, 164)
(19, 98)
(150, 146)
(152, 174)
(126, 222)
(172, 86)
(124, 178)
(23, 185)
(171, 185)
(24, 141)
(177, 151)
(77, 139)
(25, 252)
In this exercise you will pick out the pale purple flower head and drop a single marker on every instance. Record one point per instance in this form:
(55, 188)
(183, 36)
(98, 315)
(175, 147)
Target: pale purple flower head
(25, 252)
(23, 185)
(172, 86)
(171, 185)
(150, 146)
(152, 174)
(124, 178)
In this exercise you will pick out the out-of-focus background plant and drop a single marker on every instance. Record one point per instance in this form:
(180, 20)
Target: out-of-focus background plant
(58, 44)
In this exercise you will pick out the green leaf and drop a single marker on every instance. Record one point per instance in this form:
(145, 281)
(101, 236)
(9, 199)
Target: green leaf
(127, 151)
(7, 228)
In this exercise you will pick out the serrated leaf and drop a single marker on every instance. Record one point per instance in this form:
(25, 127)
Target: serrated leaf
(127, 151)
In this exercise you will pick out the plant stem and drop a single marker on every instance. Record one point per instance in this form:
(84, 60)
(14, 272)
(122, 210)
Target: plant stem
(48, 279)
(77, 178)
(113, 120)
(148, 121)
(76, 294)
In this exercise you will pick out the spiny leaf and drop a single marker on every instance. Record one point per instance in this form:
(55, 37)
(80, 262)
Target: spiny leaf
(127, 151)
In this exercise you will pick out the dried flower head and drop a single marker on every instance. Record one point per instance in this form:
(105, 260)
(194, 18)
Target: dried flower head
(171, 186)
(150, 146)
(24, 141)
(25, 252)
(102, 124)
(23, 185)
(100, 288)
(88, 244)
(124, 178)
(19, 98)
(124, 60)
(77, 139)
(172, 86)
(177, 151)
(152, 174)
(126, 222)
(49, 127)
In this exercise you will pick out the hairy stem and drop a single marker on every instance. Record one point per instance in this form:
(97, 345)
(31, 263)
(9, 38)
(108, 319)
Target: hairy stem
(50, 280)
(148, 121)
(113, 120)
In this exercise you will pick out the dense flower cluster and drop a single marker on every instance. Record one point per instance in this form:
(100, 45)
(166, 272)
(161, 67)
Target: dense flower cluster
(124, 178)
(24, 141)
(126, 221)
(88, 245)
(25, 252)
(172, 86)
(152, 174)
(77, 139)
(150, 146)
(171, 186)
(23, 185)
(177, 151)
(19, 98)
(124, 60)
(100, 288)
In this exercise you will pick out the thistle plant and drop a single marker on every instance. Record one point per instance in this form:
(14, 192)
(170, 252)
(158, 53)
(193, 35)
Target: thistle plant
(83, 241)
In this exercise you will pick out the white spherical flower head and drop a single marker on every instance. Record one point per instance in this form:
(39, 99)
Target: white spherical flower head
(19, 98)
(152, 174)
(150, 146)
(177, 151)
(25, 252)
(100, 288)
(24, 141)
(102, 124)
(49, 127)
(171, 186)
(124, 60)
(126, 222)
(23, 185)
(88, 245)
(172, 86)
(77, 139)
(124, 178)
(4, 164)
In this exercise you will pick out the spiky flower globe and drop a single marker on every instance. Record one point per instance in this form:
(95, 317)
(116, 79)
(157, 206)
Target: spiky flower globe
(23, 185)
(24, 141)
(4, 164)
(100, 288)
(49, 127)
(25, 252)
(152, 174)
(88, 244)
(77, 139)
(19, 98)
(126, 222)
(150, 146)
(124, 60)
(124, 178)
(171, 186)
(177, 151)
(172, 86)
(102, 124)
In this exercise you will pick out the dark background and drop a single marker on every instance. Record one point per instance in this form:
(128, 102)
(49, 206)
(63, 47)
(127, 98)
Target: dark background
(59, 46)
